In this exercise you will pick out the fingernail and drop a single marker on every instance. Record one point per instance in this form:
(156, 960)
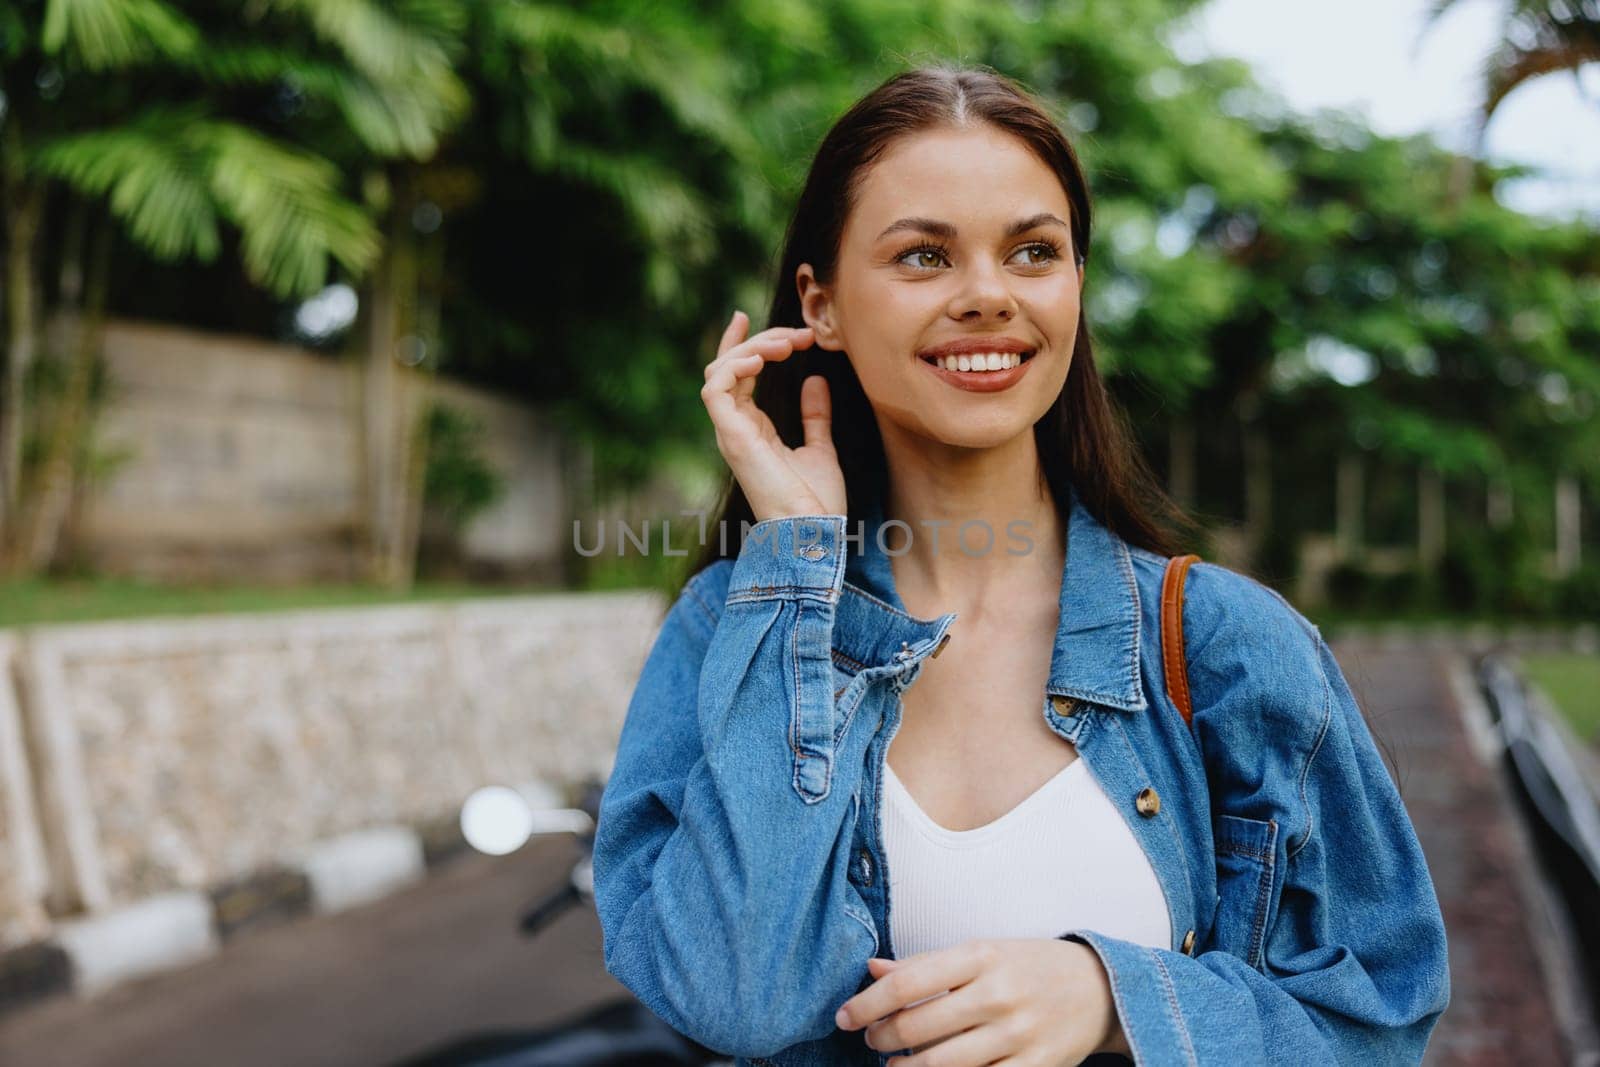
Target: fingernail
(842, 1018)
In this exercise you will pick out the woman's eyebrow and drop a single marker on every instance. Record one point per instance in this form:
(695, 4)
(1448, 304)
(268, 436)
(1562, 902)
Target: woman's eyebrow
(947, 231)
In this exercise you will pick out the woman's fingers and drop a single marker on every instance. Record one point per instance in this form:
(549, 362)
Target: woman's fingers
(776, 479)
(816, 411)
(734, 333)
(778, 341)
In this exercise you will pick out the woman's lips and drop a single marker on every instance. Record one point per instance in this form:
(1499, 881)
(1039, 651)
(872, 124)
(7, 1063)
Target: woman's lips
(982, 381)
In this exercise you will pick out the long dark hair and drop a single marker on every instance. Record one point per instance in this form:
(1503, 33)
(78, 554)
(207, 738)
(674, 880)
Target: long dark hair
(1083, 440)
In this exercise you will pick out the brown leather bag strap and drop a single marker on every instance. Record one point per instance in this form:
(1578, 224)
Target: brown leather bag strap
(1173, 663)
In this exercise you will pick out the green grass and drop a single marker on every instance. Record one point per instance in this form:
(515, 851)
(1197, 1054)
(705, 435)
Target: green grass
(65, 600)
(1572, 682)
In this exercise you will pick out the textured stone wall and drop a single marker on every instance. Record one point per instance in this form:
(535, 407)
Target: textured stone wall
(178, 755)
(242, 460)
(23, 877)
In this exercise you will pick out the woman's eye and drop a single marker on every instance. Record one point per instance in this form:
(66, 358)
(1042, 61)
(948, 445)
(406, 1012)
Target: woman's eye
(1046, 252)
(932, 252)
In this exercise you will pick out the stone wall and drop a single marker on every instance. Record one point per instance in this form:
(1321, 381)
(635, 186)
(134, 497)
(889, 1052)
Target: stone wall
(145, 757)
(243, 459)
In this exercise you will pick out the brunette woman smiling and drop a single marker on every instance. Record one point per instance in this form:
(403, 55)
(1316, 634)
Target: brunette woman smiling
(1033, 855)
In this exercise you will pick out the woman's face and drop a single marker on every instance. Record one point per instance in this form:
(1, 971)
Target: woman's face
(957, 235)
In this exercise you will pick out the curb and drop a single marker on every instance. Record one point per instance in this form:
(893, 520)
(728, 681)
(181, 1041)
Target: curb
(86, 955)
(1554, 940)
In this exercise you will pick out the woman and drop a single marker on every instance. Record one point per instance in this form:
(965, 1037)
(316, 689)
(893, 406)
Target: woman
(1029, 858)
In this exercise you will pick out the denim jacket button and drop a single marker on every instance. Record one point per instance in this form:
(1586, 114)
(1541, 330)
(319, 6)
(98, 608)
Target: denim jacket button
(1188, 943)
(1148, 802)
(1063, 705)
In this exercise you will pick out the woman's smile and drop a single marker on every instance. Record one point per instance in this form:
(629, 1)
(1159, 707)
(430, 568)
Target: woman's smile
(980, 372)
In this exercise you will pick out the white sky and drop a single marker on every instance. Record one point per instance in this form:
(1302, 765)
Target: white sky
(1370, 57)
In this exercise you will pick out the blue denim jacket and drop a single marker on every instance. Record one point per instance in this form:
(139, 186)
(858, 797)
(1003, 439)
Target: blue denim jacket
(739, 868)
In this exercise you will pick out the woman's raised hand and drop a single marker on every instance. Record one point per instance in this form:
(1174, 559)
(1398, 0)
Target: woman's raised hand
(779, 481)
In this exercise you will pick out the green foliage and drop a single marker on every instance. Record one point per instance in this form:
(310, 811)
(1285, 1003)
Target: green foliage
(172, 175)
(626, 169)
(106, 34)
(459, 482)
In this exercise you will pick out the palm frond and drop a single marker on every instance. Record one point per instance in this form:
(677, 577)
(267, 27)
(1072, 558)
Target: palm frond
(1514, 67)
(288, 208)
(386, 48)
(390, 120)
(154, 180)
(112, 33)
(172, 174)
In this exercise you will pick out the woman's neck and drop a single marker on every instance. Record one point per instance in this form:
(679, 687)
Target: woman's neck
(1013, 544)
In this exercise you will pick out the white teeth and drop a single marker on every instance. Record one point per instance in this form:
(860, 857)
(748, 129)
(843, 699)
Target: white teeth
(982, 361)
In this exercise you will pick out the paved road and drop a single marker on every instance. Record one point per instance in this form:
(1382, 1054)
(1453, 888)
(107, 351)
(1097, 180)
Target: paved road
(1500, 1009)
(367, 987)
(443, 958)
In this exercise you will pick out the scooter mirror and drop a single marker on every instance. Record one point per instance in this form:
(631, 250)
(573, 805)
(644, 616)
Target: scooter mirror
(497, 820)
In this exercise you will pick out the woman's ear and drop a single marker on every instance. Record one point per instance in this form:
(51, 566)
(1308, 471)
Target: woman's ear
(816, 307)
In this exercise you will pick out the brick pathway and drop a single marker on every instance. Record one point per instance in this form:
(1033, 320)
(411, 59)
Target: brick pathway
(1500, 1009)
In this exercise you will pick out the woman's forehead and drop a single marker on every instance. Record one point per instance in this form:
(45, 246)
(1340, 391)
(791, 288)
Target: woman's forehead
(979, 180)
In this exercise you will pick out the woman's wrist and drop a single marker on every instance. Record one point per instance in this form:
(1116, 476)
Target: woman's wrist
(1116, 1039)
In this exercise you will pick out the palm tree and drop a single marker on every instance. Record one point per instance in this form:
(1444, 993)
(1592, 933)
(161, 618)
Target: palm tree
(170, 167)
(1538, 37)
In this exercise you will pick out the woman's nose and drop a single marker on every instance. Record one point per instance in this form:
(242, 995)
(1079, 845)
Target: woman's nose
(987, 292)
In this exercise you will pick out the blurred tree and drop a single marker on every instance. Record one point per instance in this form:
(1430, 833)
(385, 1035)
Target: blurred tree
(157, 144)
(565, 202)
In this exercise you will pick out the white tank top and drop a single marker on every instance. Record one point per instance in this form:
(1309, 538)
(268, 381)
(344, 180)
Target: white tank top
(1062, 859)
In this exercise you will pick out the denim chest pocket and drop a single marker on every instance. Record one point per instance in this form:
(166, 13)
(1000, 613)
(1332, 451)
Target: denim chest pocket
(1246, 857)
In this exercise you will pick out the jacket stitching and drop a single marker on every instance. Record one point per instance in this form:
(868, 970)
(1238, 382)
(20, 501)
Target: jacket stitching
(1133, 615)
(849, 714)
(1305, 773)
(1116, 985)
(796, 726)
(866, 921)
(849, 660)
(1172, 1002)
(1264, 880)
(1244, 850)
(761, 592)
(694, 593)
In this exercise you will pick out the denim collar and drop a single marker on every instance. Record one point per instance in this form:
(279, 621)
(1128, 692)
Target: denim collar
(1096, 654)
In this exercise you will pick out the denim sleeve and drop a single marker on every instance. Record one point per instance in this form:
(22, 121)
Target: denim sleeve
(1353, 965)
(722, 848)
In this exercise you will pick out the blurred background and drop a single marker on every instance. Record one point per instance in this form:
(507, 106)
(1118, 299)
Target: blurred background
(342, 338)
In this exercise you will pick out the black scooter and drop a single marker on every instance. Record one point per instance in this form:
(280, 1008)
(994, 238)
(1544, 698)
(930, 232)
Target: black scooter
(621, 1033)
